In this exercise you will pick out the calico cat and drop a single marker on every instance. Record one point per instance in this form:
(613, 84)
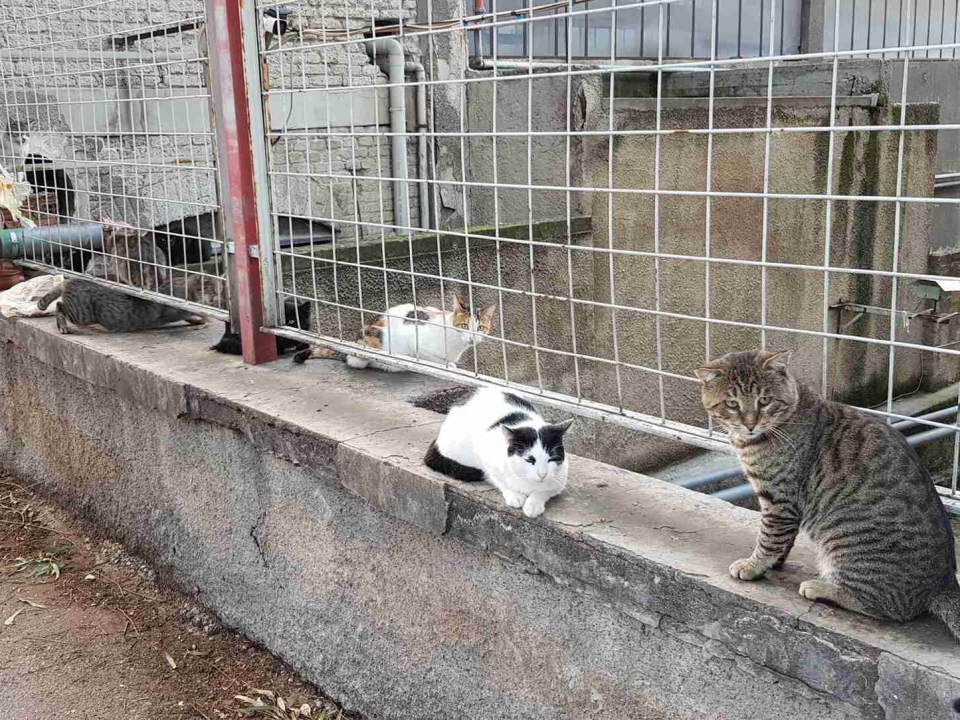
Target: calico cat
(86, 303)
(499, 437)
(424, 332)
(131, 259)
(298, 318)
(850, 482)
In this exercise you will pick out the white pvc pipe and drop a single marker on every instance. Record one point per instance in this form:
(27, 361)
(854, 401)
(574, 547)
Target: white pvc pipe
(393, 51)
(423, 191)
(481, 63)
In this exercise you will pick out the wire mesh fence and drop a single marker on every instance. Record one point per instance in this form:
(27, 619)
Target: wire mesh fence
(579, 201)
(105, 124)
(628, 204)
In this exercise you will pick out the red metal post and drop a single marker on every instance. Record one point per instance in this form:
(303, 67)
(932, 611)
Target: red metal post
(224, 39)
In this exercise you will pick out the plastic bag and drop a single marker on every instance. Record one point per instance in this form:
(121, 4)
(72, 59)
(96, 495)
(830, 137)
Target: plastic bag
(12, 194)
(21, 300)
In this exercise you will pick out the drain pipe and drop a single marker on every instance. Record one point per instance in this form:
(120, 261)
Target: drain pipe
(423, 192)
(937, 415)
(711, 477)
(482, 63)
(29, 243)
(393, 52)
(743, 492)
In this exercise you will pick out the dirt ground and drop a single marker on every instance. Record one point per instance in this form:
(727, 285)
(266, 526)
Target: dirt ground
(87, 632)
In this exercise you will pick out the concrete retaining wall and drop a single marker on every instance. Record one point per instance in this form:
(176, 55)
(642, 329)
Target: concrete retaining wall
(293, 501)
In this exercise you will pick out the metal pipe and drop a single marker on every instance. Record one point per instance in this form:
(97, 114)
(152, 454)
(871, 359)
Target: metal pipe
(937, 415)
(929, 436)
(398, 122)
(423, 191)
(711, 477)
(742, 492)
(29, 243)
(486, 64)
(726, 474)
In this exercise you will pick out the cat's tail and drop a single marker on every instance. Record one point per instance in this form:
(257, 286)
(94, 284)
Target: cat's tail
(50, 297)
(435, 460)
(946, 606)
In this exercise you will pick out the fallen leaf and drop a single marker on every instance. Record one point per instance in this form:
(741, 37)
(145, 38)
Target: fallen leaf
(9, 621)
(31, 603)
(170, 661)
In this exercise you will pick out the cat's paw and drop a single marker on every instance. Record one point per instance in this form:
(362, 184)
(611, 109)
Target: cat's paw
(746, 569)
(512, 499)
(533, 507)
(818, 590)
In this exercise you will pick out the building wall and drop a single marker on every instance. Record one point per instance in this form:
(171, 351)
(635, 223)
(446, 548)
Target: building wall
(865, 164)
(341, 141)
(128, 124)
(132, 129)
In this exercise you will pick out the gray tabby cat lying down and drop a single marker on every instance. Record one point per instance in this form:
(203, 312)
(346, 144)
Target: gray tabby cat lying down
(86, 303)
(847, 480)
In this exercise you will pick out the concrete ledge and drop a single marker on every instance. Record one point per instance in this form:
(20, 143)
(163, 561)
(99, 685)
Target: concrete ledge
(292, 498)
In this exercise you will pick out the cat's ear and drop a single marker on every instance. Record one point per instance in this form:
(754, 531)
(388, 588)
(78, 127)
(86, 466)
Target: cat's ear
(508, 433)
(486, 313)
(561, 427)
(458, 305)
(710, 371)
(774, 360)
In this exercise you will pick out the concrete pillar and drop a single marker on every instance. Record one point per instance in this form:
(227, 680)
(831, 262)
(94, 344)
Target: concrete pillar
(812, 25)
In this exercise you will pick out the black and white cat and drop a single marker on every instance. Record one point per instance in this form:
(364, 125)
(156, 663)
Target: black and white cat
(499, 437)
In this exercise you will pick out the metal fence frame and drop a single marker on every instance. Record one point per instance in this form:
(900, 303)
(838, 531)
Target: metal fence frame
(80, 73)
(240, 96)
(333, 37)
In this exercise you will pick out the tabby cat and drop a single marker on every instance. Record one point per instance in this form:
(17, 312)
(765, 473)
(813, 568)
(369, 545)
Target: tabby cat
(131, 259)
(86, 303)
(427, 333)
(850, 482)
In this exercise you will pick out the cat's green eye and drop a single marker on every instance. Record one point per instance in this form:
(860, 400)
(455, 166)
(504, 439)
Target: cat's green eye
(531, 460)
(732, 404)
(464, 326)
(763, 402)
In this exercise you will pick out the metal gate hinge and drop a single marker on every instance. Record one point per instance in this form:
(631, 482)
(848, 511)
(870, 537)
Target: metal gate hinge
(252, 251)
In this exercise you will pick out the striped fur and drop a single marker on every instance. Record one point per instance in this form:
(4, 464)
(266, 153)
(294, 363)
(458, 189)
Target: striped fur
(84, 303)
(851, 483)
